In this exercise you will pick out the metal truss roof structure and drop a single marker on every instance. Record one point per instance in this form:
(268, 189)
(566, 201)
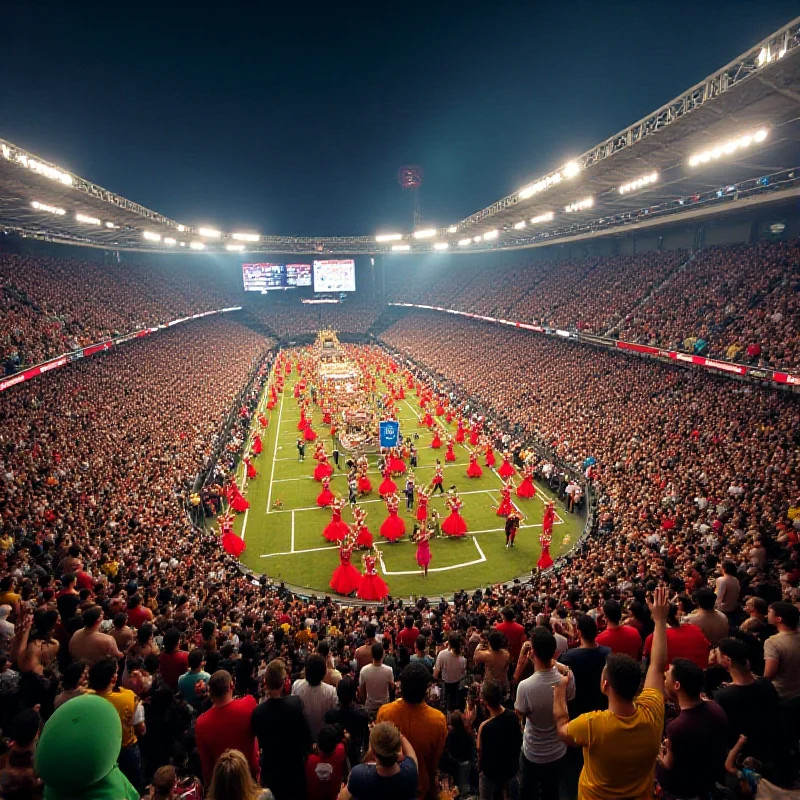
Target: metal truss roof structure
(731, 141)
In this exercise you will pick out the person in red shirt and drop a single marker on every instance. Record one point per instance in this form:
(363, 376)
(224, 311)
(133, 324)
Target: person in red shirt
(225, 726)
(683, 641)
(620, 638)
(325, 766)
(408, 636)
(137, 613)
(172, 662)
(513, 631)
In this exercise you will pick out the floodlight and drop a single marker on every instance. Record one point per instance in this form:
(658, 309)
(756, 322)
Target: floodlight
(520, 224)
(234, 247)
(197, 246)
(49, 209)
(88, 220)
(546, 217)
(490, 235)
(209, 233)
(389, 237)
(152, 237)
(440, 246)
(246, 237)
(425, 234)
(401, 248)
(580, 205)
(464, 242)
(571, 169)
(169, 240)
(452, 229)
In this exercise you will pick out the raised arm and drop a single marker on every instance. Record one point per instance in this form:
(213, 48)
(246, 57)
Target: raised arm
(658, 605)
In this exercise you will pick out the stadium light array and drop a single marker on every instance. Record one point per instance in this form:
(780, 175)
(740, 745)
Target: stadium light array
(477, 238)
(401, 248)
(540, 186)
(197, 246)
(170, 241)
(546, 217)
(519, 225)
(440, 246)
(645, 180)
(181, 227)
(464, 242)
(32, 164)
(490, 235)
(152, 237)
(580, 205)
(49, 209)
(234, 248)
(425, 234)
(88, 220)
(571, 169)
(726, 148)
(209, 233)
(246, 237)
(110, 225)
(452, 229)
(389, 237)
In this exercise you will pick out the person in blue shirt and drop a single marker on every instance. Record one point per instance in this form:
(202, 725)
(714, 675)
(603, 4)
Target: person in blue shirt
(188, 681)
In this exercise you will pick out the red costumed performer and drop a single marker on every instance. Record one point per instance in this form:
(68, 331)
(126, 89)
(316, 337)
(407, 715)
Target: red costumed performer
(393, 527)
(490, 460)
(474, 470)
(251, 470)
(231, 543)
(506, 469)
(396, 465)
(454, 525)
(526, 489)
(323, 469)
(423, 549)
(546, 560)
(363, 534)
(346, 577)
(372, 586)
(388, 486)
(475, 435)
(436, 443)
(303, 423)
(235, 498)
(326, 496)
(506, 506)
(257, 445)
(364, 483)
(427, 420)
(450, 454)
(309, 434)
(422, 503)
(336, 530)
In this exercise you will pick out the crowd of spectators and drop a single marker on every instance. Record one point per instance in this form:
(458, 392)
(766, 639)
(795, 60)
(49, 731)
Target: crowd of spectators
(287, 317)
(221, 680)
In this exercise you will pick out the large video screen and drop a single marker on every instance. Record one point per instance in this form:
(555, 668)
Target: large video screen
(267, 277)
(335, 275)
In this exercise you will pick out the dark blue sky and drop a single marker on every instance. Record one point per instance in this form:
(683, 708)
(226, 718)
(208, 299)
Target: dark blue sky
(293, 117)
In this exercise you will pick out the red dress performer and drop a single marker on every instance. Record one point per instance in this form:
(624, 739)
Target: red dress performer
(326, 497)
(460, 431)
(545, 559)
(474, 470)
(309, 434)
(372, 586)
(506, 507)
(454, 525)
(346, 578)
(336, 530)
(323, 469)
(475, 434)
(439, 409)
(395, 464)
(388, 486)
(303, 423)
(427, 420)
(393, 527)
(526, 489)
(506, 469)
(422, 503)
(319, 451)
(363, 534)
(364, 483)
(490, 460)
(262, 420)
(251, 470)
(436, 442)
(423, 550)
(231, 543)
(236, 498)
(450, 454)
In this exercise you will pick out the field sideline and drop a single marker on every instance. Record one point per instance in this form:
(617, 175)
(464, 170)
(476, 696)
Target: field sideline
(286, 543)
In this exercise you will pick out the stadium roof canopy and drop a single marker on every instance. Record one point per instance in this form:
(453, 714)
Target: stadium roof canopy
(730, 142)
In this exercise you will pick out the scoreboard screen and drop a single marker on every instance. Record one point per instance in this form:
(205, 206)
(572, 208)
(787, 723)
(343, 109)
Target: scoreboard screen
(266, 277)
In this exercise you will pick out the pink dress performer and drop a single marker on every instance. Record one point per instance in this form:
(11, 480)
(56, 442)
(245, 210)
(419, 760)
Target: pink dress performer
(545, 559)
(506, 469)
(336, 530)
(346, 577)
(371, 586)
(527, 489)
(423, 550)
(393, 527)
(454, 525)
(388, 486)
(450, 454)
(326, 497)
(363, 534)
(474, 470)
(422, 503)
(506, 507)
(323, 469)
(460, 431)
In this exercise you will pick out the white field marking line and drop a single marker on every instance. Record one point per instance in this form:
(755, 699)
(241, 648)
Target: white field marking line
(343, 474)
(259, 408)
(296, 552)
(293, 531)
(275, 454)
(519, 510)
(438, 569)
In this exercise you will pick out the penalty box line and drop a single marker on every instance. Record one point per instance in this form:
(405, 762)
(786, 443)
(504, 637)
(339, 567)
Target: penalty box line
(480, 560)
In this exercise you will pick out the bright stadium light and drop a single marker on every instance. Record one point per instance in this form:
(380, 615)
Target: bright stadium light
(197, 246)
(110, 225)
(209, 233)
(546, 217)
(477, 238)
(401, 248)
(183, 244)
(490, 235)
(728, 147)
(49, 209)
(440, 246)
(169, 240)
(464, 242)
(571, 169)
(452, 229)
(32, 164)
(540, 186)
(181, 227)
(246, 237)
(152, 237)
(235, 248)
(389, 237)
(520, 224)
(645, 180)
(580, 205)
(88, 220)
(425, 234)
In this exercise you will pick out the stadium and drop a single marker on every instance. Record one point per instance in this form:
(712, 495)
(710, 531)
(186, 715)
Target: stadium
(488, 447)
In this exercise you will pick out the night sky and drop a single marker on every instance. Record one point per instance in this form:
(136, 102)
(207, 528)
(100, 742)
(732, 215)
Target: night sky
(292, 118)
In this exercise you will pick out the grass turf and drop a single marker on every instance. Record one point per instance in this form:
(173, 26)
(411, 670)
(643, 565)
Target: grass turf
(287, 544)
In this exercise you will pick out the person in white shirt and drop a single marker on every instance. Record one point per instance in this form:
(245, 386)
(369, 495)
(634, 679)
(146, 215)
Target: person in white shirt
(451, 667)
(318, 697)
(375, 681)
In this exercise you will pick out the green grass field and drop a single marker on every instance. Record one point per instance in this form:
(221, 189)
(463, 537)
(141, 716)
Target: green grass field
(287, 544)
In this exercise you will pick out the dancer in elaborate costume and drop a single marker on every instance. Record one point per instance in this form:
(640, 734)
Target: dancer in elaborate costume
(319, 451)
(336, 530)
(506, 468)
(527, 489)
(474, 469)
(422, 503)
(323, 469)
(363, 534)
(236, 498)
(303, 423)
(460, 431)
(506, 507)
(258, 445)
(438, 478)
(394, 463)
(422, 539)
(475, 433)
(454, 525)
(427, 420)
(231, 543)
(545, 559)
(371, 585)
(388, 486)
(251, 470)
(364, 483)
(394, 526)
(436, 442)
(346, 578)
(490, 459)
(450, 455)
(309, 434)
(326, 497)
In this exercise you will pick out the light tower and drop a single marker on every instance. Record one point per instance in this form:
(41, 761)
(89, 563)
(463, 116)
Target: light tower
(410, 177)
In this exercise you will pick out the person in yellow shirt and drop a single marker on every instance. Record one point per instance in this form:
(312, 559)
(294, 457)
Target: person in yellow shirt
(620, 745)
